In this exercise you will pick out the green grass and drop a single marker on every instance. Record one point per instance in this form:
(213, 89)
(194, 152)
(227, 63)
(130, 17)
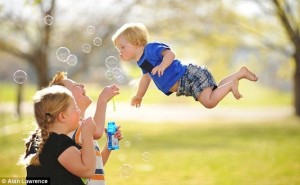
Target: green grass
(254, 94)
(189, 154)
(9, 91)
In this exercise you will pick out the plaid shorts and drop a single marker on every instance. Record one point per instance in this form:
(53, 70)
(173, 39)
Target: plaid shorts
(195, 79)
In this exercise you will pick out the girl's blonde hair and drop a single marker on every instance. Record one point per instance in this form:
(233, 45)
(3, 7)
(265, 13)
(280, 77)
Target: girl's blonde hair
(48, 103)
(58, 78)
(135, 33)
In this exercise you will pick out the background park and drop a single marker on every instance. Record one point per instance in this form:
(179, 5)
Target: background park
(168, 140)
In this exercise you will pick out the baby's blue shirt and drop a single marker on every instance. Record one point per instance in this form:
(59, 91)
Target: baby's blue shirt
(151, 58)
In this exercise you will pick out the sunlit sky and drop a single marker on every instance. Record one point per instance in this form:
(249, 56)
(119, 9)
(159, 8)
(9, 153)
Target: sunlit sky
(244, 7)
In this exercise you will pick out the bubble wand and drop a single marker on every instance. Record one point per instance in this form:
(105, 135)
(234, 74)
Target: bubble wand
(113, 72)
(114, 105)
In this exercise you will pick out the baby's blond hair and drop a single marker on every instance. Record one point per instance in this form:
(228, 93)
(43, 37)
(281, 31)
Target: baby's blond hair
(135, 33)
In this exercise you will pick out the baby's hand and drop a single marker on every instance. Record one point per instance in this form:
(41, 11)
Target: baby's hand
(136, 101)
(88, 127)
(159, 70)
(108, 93)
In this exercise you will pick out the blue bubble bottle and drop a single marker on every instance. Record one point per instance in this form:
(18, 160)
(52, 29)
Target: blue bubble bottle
(113, 142)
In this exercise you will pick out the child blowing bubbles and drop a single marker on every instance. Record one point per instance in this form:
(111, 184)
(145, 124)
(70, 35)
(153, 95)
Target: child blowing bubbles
(83, 102)
(157, 62)
(58, 157)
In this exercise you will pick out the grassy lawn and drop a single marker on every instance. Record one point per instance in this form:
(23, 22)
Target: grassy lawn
(260, 153)
(254, 94)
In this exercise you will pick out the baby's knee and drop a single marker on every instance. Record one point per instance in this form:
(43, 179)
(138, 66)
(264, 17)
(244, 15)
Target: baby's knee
(209, 105)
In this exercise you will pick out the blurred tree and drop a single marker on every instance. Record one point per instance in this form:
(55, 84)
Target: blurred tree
(27, 31)
(208, 31)
(220, 29)
(288, 14)
(34, 39)
(30, 40)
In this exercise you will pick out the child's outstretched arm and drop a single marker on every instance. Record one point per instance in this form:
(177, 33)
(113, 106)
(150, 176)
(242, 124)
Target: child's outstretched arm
(143, 86)
(81, 163)
(168, 57)
(105, 96)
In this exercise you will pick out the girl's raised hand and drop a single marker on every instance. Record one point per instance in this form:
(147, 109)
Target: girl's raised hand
(108, 93)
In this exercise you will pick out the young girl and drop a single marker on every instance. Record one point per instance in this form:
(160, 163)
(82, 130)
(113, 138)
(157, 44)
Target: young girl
(83, 102)
(57, 155)
(158, 63)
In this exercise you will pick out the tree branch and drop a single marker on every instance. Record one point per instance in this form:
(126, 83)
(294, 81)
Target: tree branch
(11, 49)
(293, 35)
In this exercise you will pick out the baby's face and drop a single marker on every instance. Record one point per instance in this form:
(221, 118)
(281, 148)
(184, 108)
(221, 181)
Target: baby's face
(126, 50)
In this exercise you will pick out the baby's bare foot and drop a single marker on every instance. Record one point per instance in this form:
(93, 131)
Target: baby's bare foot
(235, 90)
(248, 74)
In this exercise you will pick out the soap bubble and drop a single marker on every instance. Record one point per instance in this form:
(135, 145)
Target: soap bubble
(97, 41)
(86, 48)
(20, 76)
(126, 170)
(111, 62)
(121, 79)
(138, 136)
(109, 75)
(48, 19)
(127, 144)
(122, 157)
(90, 29)
(117, 72)
(62, 54)
(114, 72)
(147, 157)
(72, 60)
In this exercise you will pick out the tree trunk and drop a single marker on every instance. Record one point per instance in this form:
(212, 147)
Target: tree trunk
(42, 68)
(19, 100)
(297, 81)
(292, 29)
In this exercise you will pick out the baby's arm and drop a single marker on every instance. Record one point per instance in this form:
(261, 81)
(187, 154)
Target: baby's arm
(143, 86)
(106, 95)
(168, 57)
(81, 163)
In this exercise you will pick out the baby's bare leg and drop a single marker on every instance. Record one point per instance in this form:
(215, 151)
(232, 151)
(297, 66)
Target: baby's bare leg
(243, 73)
(235, 89)
(210, 98)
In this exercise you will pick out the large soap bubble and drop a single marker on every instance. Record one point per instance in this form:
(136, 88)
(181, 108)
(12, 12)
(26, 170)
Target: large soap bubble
(97, 41)
(72, 60)
(62, 54)
(20, 76)
(111, 62)
(90, 29)
(48, 19)
(86, 48)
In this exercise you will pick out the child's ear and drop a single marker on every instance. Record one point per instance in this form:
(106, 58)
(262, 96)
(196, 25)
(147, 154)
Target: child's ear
(61, 117)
